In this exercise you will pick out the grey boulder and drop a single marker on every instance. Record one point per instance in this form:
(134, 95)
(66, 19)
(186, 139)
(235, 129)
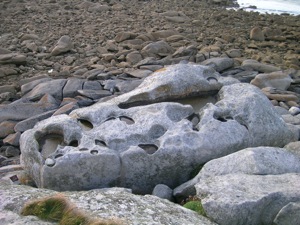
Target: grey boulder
(278, 80)
(255, 161)
(235, 199)
(139, 147)
(157, 49)
(173, 82)
(63, 45)
(12, 58)
(24, 109)
(219, 64)
(261, 67)
(102, 203)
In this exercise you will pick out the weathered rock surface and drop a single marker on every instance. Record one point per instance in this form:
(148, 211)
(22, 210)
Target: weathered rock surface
(255, 161)
(103, 203)
(173, 82)
(63, 45)
(25, 109)
(288, 215)
(247, 199)
(13, 58)
(261, 67)
(147, 143)
(279, 80)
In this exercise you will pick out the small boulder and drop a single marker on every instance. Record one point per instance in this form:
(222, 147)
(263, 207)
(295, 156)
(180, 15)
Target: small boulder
(63, 45)
(279, 80)
(163, 191)
(157, 49)
(257, 34)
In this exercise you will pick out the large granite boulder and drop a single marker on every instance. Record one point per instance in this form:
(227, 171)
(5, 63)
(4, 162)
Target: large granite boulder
(235, 199)
(100, 203)
(251, 186)
(255, 161)
(108, 144)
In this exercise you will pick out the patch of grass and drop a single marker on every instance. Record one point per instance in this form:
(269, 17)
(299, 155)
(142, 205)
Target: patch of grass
(57, 208)
(193, 203)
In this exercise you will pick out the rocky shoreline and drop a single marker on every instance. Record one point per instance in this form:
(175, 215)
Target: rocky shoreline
(135, 77)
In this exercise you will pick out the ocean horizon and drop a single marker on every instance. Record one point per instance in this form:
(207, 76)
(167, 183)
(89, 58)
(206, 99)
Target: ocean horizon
(272, 6)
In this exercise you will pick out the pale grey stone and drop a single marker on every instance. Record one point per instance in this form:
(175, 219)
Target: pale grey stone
(25, 88)
(12, 139)
(235, 199)
(219, 64)
(13, 58)
(174, 82)
(7, 127)
(256, 161)
(164, 34)
(139, 73)
(294, 110)
(190, 50)
(12, 151)
(63, 45)
(281, 110)
(30, 79)
(8, 88)
(118, 134)
(163, 191)
(156, 49)
(101, 203)
(92, 85)
(146, 138)
(128, 85)
(291, 119)
(18, 111)
(288, 215)
(31, 121)
(279, 80)
(294, 147)
(66, 109)
(176, 19)
(94, 94)
(72, 86)
(11, 218)
(261, 67)
(134, 57)
(122, 36)
(52, 87)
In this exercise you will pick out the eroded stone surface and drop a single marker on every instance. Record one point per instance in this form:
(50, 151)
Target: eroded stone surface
(255, 161)
(247, 199)
(105, 203)
(139, 147)
(173, 82)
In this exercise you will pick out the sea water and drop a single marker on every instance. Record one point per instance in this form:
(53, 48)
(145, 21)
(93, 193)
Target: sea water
(272, 6)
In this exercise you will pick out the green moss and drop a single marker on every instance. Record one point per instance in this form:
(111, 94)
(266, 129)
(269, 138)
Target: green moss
(195, 206)
(58, 209)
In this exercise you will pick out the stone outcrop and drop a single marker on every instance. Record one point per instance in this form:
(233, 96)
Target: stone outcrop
(102, 203)
(147, 143)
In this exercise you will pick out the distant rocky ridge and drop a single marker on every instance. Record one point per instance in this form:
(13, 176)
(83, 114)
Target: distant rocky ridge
(152, 94)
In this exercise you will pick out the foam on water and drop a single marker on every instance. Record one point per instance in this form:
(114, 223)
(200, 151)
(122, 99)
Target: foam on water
(272, 6)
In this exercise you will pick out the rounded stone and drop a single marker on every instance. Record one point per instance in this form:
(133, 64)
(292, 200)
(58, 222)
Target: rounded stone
(50, 162)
